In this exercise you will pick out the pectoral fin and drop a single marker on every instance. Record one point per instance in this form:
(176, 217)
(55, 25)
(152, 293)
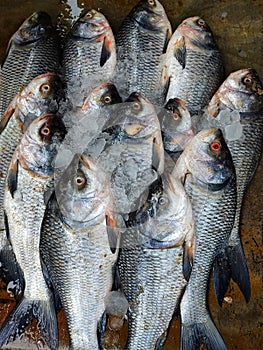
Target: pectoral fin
(6, 117)
(12, 176)
(105, 52)
(180, 52)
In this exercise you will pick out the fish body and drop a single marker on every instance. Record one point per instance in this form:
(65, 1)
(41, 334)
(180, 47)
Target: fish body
(193, 68)
(89, 56)
(151, 261)
(141, 41)
(29, 180)
(40, 96)
(242, 92)
(32, 50)
(207, 172)
(77, 248)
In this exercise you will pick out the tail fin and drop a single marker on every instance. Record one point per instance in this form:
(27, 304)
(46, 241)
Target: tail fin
(192, 336)
(22, 315)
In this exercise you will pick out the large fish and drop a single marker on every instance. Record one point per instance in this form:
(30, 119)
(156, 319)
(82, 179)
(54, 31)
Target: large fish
(241, 93)
(32, 50)
(207, 172)
(141, 41)
(151, 261)
(79, 249)
(30, 181)
(89, 55)
(40, 96)
(133, 155)
(193, 68)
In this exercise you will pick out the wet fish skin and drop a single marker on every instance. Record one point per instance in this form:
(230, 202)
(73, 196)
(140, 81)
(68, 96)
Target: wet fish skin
(89, 55)
(242, 91)
(32, 50)
(151, 261)
(206, 169)
(40, 96)
(79, 249)
(193, 68)
(145, 29)
(29, 180)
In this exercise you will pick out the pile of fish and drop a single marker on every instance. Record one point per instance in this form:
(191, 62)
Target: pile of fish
(124, 163)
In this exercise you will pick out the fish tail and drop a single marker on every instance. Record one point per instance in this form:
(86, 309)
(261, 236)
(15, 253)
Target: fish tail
(192, 336)
(239, 269)
(22, 315)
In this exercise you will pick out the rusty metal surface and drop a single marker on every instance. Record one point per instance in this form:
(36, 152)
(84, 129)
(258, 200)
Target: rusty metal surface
(238, 28)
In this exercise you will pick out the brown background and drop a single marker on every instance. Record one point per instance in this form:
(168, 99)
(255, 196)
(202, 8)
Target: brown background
(238, 29)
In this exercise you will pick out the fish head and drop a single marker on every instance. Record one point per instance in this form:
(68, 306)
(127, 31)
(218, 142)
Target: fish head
(197, 34)
(176, 125)
(207, 160)
(241, 91)
(33, 29)
(40, 143)
(82, 192)
(100, 97)
(150, 14)
(40, 96)
(91, 25)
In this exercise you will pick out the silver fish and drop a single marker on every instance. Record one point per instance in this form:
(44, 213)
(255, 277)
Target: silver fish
(242, 92)
(151, 261)
(193, 68)
(79, 249)
(141, 41)
(89, 55)
(206, 169)
(29, 182)
(32, 50)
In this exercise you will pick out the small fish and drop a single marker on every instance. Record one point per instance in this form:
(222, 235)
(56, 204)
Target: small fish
(89, 55)
(141, 41)
(151, 261)
(40, 96)
(242, 92)
(32, 50)
(79, 245)
(30, 182)
(193, 68)
(207, 172)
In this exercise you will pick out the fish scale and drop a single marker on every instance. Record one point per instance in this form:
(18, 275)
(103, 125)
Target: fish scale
(149, 320)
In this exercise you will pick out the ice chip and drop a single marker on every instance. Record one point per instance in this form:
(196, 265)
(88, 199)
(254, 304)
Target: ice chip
(224, 117)
(233, 131)
(235, 116)
(116, 304)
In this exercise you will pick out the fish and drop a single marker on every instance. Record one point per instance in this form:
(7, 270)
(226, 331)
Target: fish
(89, 56)
(29, 184)
(207, 173)
(192, 67)
(42, 95)
(32, 50)
(141, 41)
(241, 93)
(133, 153)
(159, 238)
(79, 246)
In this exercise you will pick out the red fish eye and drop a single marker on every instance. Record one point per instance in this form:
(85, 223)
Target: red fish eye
(80, 181)
(215, 146)
(45, 131)
(45, 88)
(176, 116)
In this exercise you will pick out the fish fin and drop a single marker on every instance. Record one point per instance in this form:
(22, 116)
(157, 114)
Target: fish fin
(12, 176)
(116, 277)
(157, 156)
(160, 342)
(222, 276)
(239, 269)
(6, 53)
(112, 231)
(166, 86)
(22, 315)
(192, 336)
(187, 262)
(167, 39)
(49, 194)
(101, 330)
(180, 52)
(105, 52)
(6, 116)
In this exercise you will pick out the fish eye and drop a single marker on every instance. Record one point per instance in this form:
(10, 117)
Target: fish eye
(201, 22)
(215, 146)
(136, 106)
(89, 15)
(80, 181)
(151, 2)
(45, 131)
(45, 88)
(107, 99)
(247, 80)
(176, 116)
(162, 201)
